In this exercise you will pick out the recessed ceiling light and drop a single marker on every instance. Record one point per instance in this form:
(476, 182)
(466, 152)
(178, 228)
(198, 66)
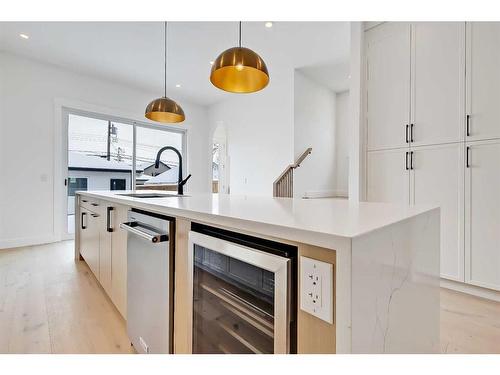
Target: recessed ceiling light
(24, 36)
(211, 63)
(178, 85)
(268, 24)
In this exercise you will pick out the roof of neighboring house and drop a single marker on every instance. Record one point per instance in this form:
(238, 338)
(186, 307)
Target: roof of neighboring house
(143, 177)
(167, 177)
(84, 161)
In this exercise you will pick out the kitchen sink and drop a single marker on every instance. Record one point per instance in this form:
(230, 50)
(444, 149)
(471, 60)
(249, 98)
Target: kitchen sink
(151, 195)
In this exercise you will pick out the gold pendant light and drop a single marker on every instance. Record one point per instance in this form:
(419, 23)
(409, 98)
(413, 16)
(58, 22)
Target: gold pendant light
(239, 70)
(165, 109)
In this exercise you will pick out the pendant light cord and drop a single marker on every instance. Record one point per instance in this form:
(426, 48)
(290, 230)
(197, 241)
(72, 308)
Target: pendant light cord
(165, 73)
(239, 41)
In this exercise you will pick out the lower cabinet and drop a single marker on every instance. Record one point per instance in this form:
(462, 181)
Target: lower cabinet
(119, 260)
(105, 255)
(482, 214)
(425, 175)
(387, 176)
(89, 239)
(103, 245)
(436, 177)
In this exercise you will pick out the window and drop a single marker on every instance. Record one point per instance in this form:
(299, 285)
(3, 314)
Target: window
(75, 184)
(118, 184)
(149, 141)
(101, 148)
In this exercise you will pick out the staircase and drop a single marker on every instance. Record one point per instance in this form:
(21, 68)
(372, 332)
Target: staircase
(283, 186)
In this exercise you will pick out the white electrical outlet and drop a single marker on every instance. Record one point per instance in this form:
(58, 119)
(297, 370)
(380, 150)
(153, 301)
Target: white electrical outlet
(316, 288)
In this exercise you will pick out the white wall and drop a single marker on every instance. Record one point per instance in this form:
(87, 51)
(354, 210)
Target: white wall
(259, 130)
(342, 144)
(356, 133)
(28, 92)
(314, 126)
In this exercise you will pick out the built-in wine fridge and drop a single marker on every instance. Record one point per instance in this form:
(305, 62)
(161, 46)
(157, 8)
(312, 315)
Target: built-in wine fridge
(244, 293)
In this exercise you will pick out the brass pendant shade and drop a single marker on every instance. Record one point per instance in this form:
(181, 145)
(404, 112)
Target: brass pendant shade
(165, 109)
(239, 70)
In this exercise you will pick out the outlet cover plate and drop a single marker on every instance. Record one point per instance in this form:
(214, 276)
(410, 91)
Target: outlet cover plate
(316, 288)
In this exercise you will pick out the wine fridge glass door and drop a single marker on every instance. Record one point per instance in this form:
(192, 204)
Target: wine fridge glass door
(240, 299)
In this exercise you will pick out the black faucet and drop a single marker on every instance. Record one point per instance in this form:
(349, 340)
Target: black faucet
(180, 182)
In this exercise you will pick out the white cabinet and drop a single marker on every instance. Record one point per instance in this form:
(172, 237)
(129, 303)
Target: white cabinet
(438, 82)
(483, 80)
(119, 259)
(388, 176)
(105, 256)
(437, 177)
(387, 85)
(482, 230)
(103, 245)
(89, 239)
(454, 116)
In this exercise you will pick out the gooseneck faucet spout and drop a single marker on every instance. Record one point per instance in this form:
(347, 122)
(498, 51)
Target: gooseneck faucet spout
(180, 181)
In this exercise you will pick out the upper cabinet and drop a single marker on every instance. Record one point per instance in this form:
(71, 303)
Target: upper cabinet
(438, 82)
(483, 80)
(415, 84)
(387, 85)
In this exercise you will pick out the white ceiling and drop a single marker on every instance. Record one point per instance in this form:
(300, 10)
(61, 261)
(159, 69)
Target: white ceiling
(132, 52)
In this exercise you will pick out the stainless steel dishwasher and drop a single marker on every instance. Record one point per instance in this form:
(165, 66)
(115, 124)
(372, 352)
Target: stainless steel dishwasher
(150, 250)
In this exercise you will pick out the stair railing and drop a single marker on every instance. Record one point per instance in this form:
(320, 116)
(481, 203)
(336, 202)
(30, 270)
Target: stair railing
(283, 185)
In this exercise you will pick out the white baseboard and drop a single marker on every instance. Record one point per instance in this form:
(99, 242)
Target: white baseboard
(471, 289)
(314, 194)
(26, 241)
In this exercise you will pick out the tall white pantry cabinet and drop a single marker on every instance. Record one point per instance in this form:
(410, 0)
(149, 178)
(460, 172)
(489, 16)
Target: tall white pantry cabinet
(432, 115)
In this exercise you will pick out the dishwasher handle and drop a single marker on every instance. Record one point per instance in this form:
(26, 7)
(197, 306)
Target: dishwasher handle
(147, 234)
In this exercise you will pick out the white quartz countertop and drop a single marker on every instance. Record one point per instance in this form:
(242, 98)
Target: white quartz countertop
(314, 221)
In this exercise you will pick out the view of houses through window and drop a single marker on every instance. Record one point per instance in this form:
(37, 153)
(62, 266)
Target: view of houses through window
(100, 157)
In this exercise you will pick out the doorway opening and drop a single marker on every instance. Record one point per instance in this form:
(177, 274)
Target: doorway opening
(220, 170)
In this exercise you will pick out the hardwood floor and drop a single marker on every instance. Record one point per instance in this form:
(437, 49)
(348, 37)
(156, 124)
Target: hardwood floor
(50, 304)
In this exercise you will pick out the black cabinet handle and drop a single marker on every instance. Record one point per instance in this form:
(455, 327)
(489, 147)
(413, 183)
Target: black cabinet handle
(84, 200)
(411, 160)
(95, 204)
(406, 134)
(411, 133)
(108, 219)
(467, 131)
(83, 216)
(406, 161)
(467, 164)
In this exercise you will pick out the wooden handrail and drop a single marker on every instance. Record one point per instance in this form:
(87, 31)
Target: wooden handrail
(283, 185)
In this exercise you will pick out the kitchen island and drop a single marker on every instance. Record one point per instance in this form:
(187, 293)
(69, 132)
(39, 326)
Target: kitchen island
(384, 295)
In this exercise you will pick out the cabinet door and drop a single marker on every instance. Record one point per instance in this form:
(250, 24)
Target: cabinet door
(483, 80)
(84, 232)
(119, 260)
(387, 85)
(105, 257)
(387, 176)
(438, 82)
(437, 177)
(91, 254)
(482, 233)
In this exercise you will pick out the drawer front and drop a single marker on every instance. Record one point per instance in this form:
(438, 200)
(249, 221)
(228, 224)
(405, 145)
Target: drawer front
(91, 204)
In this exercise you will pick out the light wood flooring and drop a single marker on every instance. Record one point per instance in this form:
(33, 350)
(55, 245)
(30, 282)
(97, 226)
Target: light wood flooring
(50, 304)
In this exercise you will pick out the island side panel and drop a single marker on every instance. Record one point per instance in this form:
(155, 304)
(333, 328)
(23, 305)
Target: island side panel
(183, 295)
(395, 287)
(316, 336)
